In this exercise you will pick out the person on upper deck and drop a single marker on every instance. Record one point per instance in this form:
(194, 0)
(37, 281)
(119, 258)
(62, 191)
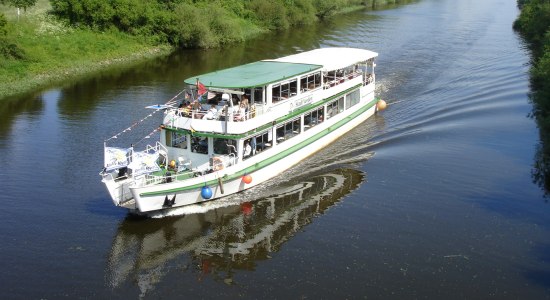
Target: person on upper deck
(245, 102)
(196, 105)
(211, 113)
(241, 113)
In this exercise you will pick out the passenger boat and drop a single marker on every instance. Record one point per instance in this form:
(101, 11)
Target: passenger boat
(236, 128)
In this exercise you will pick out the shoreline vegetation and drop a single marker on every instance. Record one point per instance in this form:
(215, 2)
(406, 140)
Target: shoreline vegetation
(51, 41)
(533, 24)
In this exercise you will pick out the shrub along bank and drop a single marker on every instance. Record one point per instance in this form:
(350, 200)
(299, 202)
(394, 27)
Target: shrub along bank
(534, 25)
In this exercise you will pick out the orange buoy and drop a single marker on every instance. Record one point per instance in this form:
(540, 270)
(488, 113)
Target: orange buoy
(381, 105)
(247, 179)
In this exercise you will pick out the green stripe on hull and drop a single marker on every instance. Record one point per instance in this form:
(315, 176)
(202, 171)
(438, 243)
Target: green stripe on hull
(274, 158)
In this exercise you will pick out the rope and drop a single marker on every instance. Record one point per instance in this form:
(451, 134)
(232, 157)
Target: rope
(170, 102)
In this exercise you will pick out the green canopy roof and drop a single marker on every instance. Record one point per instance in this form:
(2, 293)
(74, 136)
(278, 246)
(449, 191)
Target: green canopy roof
(251, 75)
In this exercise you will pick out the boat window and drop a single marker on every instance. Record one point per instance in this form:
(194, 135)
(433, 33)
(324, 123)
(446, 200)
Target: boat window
(168, 135)
(293, 87)
(313, 118)
(263, 141)
(310, 82)
(276, 93)
(199, 145)
(352, 99)
(288, 130)
(335, 107)
(225, 146)
(285, 90)
(317, 79)
(258, 95)
(176, 139)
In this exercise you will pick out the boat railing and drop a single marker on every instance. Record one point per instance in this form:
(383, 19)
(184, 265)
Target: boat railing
(338, 79)
(168, 176)
(368, 78)
(217, 163)
(221, 114)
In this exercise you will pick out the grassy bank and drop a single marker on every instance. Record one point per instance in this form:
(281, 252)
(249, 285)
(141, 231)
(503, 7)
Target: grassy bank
(60, 39)
(53, 52)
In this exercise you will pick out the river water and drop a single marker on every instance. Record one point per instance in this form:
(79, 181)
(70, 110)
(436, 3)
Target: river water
(432, 198)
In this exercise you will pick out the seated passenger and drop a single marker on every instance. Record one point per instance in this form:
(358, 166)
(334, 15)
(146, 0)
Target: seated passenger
(184, 109)
(211, 113)
(196, 106)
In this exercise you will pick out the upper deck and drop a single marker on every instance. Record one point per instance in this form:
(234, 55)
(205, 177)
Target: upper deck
(255, 74)
(239, 99)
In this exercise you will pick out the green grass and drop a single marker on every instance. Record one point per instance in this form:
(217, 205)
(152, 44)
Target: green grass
(55, 52)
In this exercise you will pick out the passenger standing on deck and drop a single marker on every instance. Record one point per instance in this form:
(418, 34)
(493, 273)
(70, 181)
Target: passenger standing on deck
(247, 150)
(245, 102)
(242, 112)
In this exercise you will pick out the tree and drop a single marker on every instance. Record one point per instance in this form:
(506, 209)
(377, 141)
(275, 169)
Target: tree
(24, 4)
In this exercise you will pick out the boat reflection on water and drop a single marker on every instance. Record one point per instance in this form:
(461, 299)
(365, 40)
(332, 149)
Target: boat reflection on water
(221, 241)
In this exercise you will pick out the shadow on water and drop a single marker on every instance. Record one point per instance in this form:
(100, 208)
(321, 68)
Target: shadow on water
(223, 241)
(541, 168)
(540, 276)
(11, 108)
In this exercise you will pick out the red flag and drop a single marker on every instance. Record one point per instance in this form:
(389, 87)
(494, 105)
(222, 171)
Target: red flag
(202, 88)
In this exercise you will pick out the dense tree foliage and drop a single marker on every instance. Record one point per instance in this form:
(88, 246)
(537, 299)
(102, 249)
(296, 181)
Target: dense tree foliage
(534, 24)
(534, 21)
(195, 23)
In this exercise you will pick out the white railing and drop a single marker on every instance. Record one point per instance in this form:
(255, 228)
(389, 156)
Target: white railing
(333, 81)
(218, 163)
(233, 114)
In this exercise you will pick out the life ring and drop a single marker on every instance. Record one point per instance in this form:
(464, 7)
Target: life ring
(217, 163)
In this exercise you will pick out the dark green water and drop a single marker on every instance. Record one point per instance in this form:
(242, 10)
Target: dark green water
(432, 198)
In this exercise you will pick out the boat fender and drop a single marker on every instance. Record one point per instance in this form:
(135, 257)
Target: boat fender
(206, 192)
(380, 105)
(247, 179)
(168, 177)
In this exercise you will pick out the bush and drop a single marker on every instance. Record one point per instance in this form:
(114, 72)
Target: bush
(534, 21)
(327, 8)
(301, 12)
(205, 27)
(534, 24)
(8, 49)
(270, 13)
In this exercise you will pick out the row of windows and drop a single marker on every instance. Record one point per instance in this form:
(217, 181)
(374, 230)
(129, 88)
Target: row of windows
(264, 140)
(289, 89)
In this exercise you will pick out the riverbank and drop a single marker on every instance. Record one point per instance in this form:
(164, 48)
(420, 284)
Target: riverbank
(54, 52)
(48, 51)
